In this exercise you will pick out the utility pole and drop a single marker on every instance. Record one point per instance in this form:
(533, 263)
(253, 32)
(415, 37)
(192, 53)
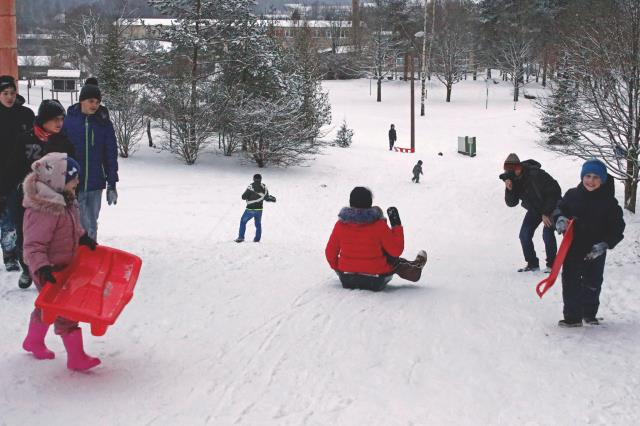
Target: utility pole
(413, 106)
(8, 39)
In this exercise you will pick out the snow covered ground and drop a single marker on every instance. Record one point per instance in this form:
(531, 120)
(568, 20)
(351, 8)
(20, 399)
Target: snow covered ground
(222, 333)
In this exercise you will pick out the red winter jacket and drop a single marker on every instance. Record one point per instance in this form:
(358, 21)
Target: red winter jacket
(360, 239)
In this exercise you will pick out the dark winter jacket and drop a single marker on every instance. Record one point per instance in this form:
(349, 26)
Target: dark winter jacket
(29, 149)
(361, 241)
(96, 148)
(13, 121)
(392, 135)
(538, 191)
(598, 217)
(417, 170)
(255, 195)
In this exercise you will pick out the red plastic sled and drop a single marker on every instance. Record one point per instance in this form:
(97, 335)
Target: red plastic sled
(548, 282)
(407, 150)
(94, 288)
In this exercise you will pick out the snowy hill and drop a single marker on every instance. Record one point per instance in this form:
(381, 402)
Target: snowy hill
(262, 334)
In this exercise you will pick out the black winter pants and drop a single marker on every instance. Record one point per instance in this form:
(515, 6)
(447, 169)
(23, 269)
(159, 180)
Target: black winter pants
(364, 282)
(581, 285)
(18, 220)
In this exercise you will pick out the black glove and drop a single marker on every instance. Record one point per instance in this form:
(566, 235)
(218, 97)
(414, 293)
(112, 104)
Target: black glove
(86, 240)
(394, 217)
(46, 274)
(270, 198)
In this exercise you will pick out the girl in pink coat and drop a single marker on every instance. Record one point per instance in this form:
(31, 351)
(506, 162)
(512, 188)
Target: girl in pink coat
(52, 233)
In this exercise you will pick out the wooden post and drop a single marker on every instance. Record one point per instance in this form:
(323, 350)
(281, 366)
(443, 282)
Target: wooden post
(8, 39)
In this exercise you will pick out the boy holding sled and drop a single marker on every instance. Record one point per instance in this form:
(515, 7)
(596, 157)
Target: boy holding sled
(52, 234)
(598, 227)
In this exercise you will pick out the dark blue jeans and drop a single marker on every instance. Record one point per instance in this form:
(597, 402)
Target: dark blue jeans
(8, 227)
(256, 215)
(529, 225)
(581, 285)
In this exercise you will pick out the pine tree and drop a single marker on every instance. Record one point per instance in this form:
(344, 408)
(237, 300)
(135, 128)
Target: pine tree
(559, 114)
(116, 74)
(344, 136)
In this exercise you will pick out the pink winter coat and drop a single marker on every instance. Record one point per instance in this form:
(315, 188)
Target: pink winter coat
(51, 226)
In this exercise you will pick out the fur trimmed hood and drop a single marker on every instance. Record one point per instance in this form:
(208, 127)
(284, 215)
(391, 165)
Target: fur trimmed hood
(39, 196)
(360, 216)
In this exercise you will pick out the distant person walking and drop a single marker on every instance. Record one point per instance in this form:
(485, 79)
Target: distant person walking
(255, 194)
(392, 136)
(89, 128)
(417, 171)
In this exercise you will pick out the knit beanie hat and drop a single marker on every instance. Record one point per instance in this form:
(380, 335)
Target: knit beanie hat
(512, 162)
(7, 81)
(595, 167)
(49, 109)
(257, 177)
(73, 170)
(90, 90)
(51, 170)
(360, 198)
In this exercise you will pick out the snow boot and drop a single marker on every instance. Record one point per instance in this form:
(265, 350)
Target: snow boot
(239, 240)
(591, 321)
(34, 342)
(11, 264)
(76, 358)
(529, 268)
(25, 280)
(570, 323)
(421, 259)
(547, 269)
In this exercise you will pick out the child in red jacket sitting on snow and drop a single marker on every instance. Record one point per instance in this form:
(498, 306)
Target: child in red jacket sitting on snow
(52, 233)
(364, 251)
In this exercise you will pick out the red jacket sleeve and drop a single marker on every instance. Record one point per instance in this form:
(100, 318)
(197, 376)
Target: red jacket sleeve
(333, 248)
(392, 239)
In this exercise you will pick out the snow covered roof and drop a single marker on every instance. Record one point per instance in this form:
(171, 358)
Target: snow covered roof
(35, 36)
(35, 61)
(63, 73)
(286, 23)
(277, 22)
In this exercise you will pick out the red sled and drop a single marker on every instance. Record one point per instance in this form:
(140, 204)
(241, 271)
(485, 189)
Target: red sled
(548, 282)
(94, 288)
(406, 150)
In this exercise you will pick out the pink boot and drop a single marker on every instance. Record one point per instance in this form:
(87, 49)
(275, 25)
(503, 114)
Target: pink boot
(34, 342)
(76, 358)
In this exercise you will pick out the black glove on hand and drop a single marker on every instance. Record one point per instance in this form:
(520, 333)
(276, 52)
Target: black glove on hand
(46, 274)
(270, 198)
(112, 196)
(394, 217)
(86, 240)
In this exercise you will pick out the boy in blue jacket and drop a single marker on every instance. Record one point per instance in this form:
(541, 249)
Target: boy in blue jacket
(598, 227)
(89, 128)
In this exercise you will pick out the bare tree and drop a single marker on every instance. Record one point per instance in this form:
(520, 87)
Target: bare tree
(426, 57)
(604, 63)
(514, 53)
(452, 44)
(83, 37)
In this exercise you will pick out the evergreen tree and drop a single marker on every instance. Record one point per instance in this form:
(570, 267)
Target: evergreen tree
(560, 113)
(116, 73)
(344, 136)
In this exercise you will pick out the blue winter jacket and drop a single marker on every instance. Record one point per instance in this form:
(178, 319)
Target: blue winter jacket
(96, 148)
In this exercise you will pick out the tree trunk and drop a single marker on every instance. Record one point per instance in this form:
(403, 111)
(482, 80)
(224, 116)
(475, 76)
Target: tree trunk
(630, 195)
(449, 87)
(545, 65)
(379, 89)
(149, 133)
(516, 91)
